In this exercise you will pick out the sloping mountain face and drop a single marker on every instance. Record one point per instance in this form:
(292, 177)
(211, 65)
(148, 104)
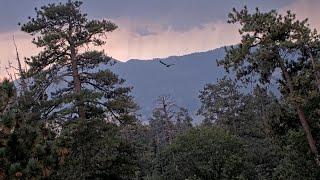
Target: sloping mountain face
(151, 79)
(183, 81)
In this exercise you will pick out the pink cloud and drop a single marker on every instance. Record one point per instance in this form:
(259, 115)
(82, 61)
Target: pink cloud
(8, 52)
(163, 41)
(306, 9)
(158, 40)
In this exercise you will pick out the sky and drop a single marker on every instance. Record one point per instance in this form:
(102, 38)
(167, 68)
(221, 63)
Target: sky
(150, 28)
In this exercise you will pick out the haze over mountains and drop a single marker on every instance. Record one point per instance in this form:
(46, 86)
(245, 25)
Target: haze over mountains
(151, 79)
(182, 82)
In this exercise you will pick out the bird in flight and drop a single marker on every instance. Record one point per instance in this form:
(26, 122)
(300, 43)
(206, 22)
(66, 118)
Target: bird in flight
(165, 64)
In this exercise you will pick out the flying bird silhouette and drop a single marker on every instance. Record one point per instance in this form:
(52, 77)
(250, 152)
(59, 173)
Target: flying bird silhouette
(165, 64)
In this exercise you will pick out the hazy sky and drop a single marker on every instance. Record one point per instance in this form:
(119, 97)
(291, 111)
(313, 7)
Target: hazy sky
(150, 28)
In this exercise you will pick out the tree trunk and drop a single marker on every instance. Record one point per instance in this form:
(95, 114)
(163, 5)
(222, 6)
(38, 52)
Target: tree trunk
(76, 80)
(21, 71)
(75, 72)
(304, 122)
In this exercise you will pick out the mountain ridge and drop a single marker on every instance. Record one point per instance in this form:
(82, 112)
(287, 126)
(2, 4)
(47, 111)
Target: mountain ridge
(182, 82)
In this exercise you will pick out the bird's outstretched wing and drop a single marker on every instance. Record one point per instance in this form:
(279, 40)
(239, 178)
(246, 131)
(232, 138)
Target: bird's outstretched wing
(163, 63)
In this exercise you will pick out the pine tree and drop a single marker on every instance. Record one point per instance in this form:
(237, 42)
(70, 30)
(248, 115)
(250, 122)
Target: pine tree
(183, 121)
(69, 71)
(162, 122)
(95, 151)
(269, 44)
(221, 103)
(26, 147)
(7, 93)
(205, 153)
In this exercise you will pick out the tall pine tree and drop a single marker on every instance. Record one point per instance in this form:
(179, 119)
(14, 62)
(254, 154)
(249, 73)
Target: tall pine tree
(66, 75)
(271, 43)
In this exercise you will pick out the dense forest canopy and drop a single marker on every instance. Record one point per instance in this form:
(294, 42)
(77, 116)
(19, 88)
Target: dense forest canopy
(89, 128)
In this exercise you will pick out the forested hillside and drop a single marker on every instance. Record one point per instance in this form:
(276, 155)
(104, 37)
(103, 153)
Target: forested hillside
(70, 118)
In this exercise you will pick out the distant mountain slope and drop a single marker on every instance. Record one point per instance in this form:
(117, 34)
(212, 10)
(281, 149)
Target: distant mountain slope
(183, 81)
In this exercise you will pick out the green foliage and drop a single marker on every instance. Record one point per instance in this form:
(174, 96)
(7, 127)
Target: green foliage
(275, 144)
(205, 153)
(267, 38)
(167, 121)
(183, 121)
(245, 116)
(95, 150)
(140, 137)
(7, 93)
(292, 149)
(63, 31)
(87, 129)
(221, 102)
(295, 158)
(272, 44)
(29, 151)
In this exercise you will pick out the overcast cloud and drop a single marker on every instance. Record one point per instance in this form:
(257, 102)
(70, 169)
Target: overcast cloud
(151, 28)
